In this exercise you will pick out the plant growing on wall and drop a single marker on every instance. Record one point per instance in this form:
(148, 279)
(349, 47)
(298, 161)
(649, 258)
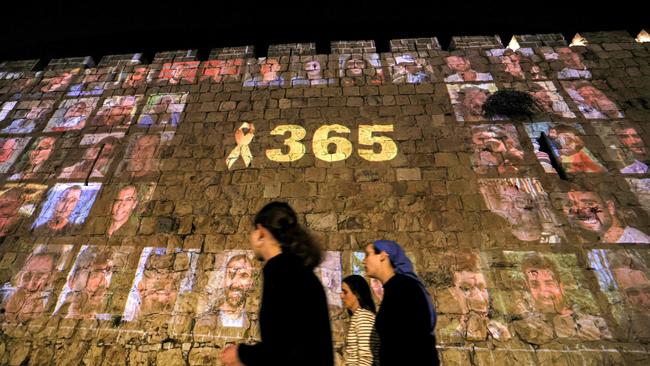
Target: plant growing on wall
(510, 104)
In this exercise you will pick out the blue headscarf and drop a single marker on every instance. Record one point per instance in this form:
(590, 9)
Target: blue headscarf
(402, 265)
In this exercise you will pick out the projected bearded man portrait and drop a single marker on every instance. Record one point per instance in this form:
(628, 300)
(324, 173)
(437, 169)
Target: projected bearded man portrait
(497, 146)
(238, 281)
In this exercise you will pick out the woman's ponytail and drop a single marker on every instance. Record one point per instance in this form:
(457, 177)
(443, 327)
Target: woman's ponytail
(281, 220)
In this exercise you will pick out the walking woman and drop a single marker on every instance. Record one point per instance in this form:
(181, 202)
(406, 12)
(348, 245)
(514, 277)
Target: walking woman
(294, 320)
(406, 318)
(361, 343)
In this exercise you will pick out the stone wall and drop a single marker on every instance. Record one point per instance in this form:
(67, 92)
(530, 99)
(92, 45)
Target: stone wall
(128, 189)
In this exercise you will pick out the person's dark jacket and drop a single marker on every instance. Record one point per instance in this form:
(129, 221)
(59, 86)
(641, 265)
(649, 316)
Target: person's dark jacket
(403, 324)
(294, 320)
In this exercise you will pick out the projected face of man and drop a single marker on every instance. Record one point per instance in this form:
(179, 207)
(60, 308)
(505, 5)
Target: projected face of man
(36, 273)
(106, 153)
(313, 70)
(588, 211)
(571, 59)
(42, 151)
(158, 291)
(8, 147)
(547, 292)
(355, 66)
(471, 291)
(143, 154)
(512, 64)
(37, 112)
(10, 202)
(123, 205)
(270, 70)
(629, 137)
(64, 207)
(472, 103)
(496, 146)
(76, 110)
(32, 282)
(459, 64)
(545, 99)
(635, 285)
(597, 99)
(570, 143)
(520, 209)
(89, 285)
(238, 281)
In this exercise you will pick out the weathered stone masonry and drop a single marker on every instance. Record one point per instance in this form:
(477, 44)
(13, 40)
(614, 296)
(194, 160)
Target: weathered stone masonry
(127, 191)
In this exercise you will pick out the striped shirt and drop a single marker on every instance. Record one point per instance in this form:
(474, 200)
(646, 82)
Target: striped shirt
(362, 343)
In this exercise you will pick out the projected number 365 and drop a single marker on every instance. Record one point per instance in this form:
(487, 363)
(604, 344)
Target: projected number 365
(325, 145)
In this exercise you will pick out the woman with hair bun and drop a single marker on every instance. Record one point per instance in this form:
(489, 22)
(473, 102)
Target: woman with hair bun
(294, 319)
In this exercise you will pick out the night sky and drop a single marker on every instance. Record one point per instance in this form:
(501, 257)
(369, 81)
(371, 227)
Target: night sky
(99, 28)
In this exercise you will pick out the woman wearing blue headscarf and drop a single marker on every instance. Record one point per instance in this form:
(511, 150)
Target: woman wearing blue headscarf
(406, 319)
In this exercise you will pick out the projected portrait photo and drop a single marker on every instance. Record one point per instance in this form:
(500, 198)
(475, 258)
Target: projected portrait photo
(624, 278)
(311, 72)
(143, 155)
(128, 202)
(572, 66)
(548, 295)
(14, 84)
(222, 70)
(464, 305)
(163, 110)
(549, 99)
(98, 151)
(330, 274)
(460, 70)
(520, 64)
(17, 203)
(598, 218)
(10, 149)
(264, 72)
(409, 69)
(57, 81)
(357, 69)
(30, 292)
(92, 84)
(525, 206)
(6, 108)
(496, 146)
(624, 145)
(161, 279)
(116, 112)
(641, 189)
(592, 102)
(567, 147)
(71, 115)
(138, 76)
(85, 294)
(36, 162)
(115, 75)
(468, 100)
(174, 73)
(225, 287)
(66, 208)
(27, 116)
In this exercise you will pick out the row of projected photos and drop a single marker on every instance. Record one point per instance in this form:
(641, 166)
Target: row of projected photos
(162, 284)
(115, 113)
(319, 70)
(542, 295)
(530, 214)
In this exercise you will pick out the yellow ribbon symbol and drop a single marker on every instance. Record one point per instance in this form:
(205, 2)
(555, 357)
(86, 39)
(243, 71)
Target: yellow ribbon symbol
(242, 149)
